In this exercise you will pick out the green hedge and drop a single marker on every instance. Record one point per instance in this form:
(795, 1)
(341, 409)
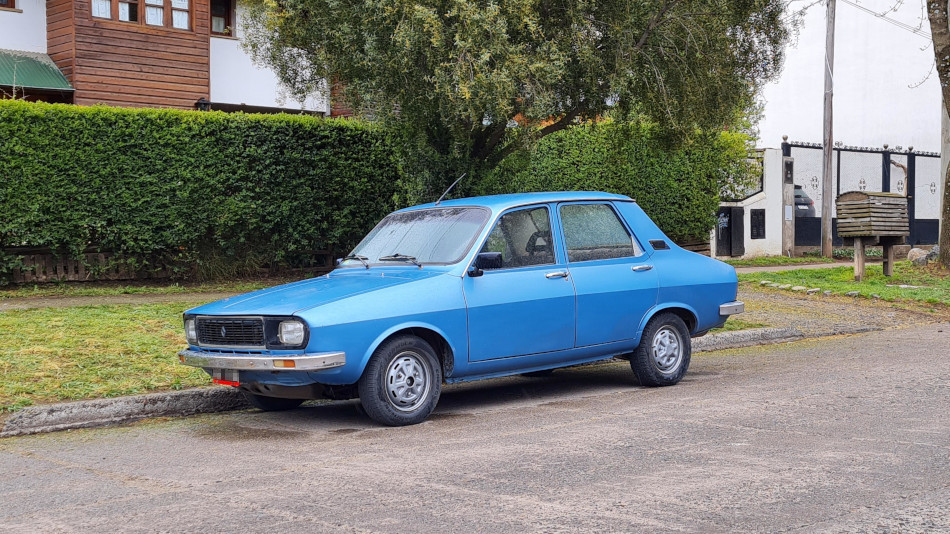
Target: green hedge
(208, 194)
(678, 186)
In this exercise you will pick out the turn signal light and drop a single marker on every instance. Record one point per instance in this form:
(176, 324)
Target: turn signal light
(285, 363)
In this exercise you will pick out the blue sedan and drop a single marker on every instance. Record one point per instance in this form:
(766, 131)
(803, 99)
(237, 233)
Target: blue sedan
(469, 289)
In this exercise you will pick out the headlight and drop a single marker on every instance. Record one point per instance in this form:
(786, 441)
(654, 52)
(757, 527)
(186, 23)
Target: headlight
(190, 333)
(291, 333)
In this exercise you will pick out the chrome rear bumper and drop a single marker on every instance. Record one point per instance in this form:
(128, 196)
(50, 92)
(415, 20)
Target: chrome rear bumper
(253, 362)
(732, 308)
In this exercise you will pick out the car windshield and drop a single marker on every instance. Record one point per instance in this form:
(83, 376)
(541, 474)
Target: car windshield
(436, 235)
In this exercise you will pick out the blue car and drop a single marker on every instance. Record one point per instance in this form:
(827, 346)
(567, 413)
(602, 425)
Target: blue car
(469, 289)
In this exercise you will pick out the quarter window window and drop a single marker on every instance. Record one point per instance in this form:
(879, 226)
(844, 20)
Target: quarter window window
(594, 232)
(523, 237)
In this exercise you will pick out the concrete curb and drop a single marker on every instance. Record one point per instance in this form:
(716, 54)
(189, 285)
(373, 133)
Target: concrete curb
(104, 412)
(745, 338)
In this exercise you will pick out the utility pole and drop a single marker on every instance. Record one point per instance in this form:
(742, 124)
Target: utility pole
(828, 145)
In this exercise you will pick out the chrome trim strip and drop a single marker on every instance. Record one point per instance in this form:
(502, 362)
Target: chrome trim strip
(314, 361)
(732, 308)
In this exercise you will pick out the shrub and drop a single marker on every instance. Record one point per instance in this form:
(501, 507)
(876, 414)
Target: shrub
(203, 192)
(678, 186)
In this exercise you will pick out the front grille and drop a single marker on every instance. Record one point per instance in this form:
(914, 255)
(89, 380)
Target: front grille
(231, 332)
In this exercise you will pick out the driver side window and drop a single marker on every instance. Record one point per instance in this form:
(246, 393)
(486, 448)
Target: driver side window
(523, 238)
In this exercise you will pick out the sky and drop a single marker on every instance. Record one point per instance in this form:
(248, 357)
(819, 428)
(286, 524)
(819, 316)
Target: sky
(885, 88)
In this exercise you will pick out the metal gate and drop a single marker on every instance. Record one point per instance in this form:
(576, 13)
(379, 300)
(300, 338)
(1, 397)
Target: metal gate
(914, 174)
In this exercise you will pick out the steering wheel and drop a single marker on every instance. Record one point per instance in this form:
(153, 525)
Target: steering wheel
(532, 247)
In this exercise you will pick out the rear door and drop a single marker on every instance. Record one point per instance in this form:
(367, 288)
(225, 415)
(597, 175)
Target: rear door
(615, 283)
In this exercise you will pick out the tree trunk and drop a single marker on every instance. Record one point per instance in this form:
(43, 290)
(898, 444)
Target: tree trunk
(940, 30)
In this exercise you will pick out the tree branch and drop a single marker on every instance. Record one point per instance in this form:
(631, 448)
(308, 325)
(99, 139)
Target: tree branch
(510, 148)
(657, 19)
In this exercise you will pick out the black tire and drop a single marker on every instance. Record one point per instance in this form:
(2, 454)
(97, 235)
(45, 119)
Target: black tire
(662, 357)
(272, 404)
(401, 383)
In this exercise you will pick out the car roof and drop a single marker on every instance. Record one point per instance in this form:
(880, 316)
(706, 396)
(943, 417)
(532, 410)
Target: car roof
(503, 202)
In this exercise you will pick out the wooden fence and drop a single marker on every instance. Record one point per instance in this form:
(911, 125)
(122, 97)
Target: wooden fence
(44, 266)
(41, 265)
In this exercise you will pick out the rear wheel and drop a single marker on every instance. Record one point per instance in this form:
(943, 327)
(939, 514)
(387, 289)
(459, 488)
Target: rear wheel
(272, 404)
(662, 357)
(401, 383)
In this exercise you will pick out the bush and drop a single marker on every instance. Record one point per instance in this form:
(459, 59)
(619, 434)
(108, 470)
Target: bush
(205, 193)
(677, 186)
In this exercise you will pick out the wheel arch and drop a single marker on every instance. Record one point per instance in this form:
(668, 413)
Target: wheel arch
(681, 310)
(432, 335)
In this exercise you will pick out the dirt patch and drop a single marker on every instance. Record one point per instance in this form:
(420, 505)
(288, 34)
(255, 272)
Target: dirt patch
(819, 315)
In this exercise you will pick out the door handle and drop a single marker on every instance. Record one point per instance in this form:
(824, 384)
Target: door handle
(639, 268)
(561, 274)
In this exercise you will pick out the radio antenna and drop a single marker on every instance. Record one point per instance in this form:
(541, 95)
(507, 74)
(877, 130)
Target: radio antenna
(450, 188)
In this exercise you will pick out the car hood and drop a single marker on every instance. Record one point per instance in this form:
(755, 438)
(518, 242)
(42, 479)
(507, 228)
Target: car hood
(292, 298)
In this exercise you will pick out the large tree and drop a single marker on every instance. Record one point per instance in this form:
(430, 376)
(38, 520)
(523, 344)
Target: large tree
(479, 79)
(940, 30)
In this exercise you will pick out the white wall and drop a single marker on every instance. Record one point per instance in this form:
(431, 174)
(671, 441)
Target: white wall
(24, 31)
(875, 65)
(770, 199)
(236, 80)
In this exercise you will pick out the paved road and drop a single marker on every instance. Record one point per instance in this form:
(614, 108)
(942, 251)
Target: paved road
(847, 434)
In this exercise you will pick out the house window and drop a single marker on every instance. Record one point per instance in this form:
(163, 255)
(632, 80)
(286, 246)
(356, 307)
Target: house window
(9, 4)
(155, 12)
(167, 13)
(102, 9)
(181, 16)
(129, 11)
(758, 224)
(221, 17)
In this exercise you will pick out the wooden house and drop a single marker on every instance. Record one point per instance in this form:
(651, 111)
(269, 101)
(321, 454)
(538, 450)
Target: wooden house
(181, 54)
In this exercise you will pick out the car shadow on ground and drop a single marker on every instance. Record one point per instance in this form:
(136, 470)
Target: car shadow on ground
(457, 400)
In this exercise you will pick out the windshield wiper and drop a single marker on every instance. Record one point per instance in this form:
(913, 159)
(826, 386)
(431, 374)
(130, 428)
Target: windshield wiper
(358, 257)
(400, 257)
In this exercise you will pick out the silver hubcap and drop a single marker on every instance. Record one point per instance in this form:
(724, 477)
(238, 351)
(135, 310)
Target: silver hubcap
(667, 350)
(407, 381)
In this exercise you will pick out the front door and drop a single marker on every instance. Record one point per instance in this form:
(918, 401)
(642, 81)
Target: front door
(527, 305)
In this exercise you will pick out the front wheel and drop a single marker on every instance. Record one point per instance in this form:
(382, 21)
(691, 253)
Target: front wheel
(401, 383)
(662, 357)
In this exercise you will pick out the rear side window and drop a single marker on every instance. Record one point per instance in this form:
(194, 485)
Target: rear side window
(523, 237)
(594, 232)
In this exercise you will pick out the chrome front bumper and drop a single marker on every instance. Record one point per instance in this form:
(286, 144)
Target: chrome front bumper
(247, 362)
(732, 308)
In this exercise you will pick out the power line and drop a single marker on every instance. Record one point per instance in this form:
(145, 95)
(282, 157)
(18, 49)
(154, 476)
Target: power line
(904, 26)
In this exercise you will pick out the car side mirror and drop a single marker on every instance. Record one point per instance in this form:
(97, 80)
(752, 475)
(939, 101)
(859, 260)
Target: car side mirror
(338, 261)
(486, 260)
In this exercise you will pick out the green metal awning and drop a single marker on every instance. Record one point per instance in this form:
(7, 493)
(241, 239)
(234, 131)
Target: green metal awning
(31, 70)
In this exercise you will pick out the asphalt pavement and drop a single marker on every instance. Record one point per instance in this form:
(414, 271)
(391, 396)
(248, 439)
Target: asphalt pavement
(844, 434)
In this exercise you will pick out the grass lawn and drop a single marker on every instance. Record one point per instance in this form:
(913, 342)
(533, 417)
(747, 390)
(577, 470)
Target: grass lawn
(933, 284)
(59, 354)
(97, 289)
(768, 261)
